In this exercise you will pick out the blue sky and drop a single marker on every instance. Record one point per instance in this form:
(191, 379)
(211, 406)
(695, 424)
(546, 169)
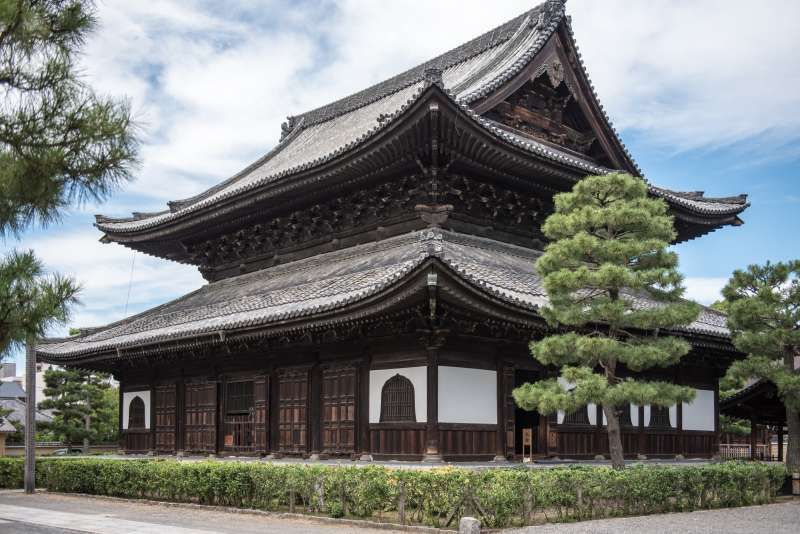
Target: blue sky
(704, 94)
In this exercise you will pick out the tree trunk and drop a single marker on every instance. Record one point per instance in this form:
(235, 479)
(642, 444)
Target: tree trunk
(614, 437)
(88, 426)
(793, 435)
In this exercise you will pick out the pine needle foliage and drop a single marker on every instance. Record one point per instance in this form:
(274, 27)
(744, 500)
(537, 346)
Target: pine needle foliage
(60, 144)
(608, 252)
(764, 317)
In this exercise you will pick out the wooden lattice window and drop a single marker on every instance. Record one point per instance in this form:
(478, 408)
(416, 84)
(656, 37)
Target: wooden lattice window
(659, 417)
(397, 401)
(136, 414)
(578, 417)
(239, 397)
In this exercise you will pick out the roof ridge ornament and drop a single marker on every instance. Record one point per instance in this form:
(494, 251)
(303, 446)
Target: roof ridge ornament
(288, 126)
(433, 76)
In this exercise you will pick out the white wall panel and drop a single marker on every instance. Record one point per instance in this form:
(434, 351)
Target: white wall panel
(699, 414)
(418, 377)
(127, 397)
(467, 395)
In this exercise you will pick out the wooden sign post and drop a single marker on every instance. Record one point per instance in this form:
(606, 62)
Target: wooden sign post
(527, 441)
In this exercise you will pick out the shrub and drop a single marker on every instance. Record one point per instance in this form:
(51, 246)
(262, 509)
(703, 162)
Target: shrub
(437, 497)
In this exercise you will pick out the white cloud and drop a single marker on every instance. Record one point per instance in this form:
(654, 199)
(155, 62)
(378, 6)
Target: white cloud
(705, 290)
(104, 271)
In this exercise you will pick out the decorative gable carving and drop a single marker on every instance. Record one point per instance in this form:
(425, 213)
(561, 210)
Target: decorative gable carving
(545, 108)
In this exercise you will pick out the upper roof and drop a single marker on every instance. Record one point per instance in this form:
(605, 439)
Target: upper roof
(331, 282)
(467, 73)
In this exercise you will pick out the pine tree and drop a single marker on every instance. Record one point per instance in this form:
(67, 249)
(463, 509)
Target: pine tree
(60, 144)
(608, 251)
(764, 319)
(82, 407)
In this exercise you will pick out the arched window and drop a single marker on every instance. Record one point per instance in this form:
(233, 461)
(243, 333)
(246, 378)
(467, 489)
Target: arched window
(659, 417)
(136, 414)
(578, 417)
(397, 401)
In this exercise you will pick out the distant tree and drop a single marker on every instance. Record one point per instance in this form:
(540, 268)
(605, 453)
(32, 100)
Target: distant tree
(764, 319)
(734, 425)
(60, 144)
(83, 410)
(720, 306)
(608, 247)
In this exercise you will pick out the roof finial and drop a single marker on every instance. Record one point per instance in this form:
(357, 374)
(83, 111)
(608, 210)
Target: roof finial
(287, 127)
(433, 76)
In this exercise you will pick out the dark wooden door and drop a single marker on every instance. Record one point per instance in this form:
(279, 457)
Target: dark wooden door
(238, 434)
(339, 410)
(201, 417)
(261, 414)
(166, 419)
(293, 411)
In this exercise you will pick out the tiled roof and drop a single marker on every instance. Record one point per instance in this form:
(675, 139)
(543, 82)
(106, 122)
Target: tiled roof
(11, 390)
(18, 411)
(467, 73)
(330, 281)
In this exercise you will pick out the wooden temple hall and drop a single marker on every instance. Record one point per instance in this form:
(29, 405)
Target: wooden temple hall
(371, 286)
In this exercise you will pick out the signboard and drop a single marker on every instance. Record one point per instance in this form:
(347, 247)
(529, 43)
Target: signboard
(527, 437)
(229, 440)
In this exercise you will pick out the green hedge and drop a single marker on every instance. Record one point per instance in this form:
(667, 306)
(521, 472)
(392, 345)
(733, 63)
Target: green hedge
(436, 497)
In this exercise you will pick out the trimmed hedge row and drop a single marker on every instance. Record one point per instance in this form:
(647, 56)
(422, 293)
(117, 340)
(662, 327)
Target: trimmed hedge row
(436, 497)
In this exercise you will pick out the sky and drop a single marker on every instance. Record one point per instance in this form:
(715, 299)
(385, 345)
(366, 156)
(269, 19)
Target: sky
(704, 94)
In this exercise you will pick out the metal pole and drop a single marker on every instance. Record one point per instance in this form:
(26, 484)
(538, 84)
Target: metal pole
(30, 417)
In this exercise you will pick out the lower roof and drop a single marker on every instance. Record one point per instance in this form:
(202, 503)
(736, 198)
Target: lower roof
(328, 282)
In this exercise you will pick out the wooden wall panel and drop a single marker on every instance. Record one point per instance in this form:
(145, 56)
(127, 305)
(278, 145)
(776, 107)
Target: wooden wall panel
(338, 410)
(200, 417)
(137, 440)
(398, 440)
(293, 411)
(467, 440)
(166, 417)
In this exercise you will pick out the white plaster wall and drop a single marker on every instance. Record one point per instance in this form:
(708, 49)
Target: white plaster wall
(127, 397)
(673, 416)
(634, 415)
(699, 414)
(418, 377)
(592, 408)
(467, 395)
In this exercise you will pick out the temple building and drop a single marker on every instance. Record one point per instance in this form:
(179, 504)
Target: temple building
(371, 285)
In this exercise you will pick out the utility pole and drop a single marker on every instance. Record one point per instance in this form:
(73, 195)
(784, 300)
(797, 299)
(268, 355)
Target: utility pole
(30, 416)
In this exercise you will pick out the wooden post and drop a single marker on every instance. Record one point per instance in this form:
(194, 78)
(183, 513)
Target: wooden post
(30, 416)
(119, 426)
(642, 435)
(180, 417)
(780, 443)
(432, 453)
(153, 417)
(681, 449)
(274, 412)
(500, 442)
(315, 412)
(363, 411)
(753, 437)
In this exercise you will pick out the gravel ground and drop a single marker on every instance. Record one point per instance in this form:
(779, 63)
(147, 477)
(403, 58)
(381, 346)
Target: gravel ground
(782, 518)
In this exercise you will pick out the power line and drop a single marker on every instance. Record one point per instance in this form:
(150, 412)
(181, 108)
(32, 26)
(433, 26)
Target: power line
(130, 283)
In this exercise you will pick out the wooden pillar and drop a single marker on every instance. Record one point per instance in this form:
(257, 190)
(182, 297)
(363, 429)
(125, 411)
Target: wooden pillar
(753, 437)
(432, 452)
(642, 434)
(780, 443)
(219, 420)
(180, 417)
(121, 431)
(274, 411)
(715, 444)
(364, 446)
(681, 445)
(500, 441)
(598, 430)
(153, 416)
(315, 412)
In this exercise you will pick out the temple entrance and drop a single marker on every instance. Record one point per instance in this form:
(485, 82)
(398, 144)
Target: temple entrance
(523, 418)
(238, 423)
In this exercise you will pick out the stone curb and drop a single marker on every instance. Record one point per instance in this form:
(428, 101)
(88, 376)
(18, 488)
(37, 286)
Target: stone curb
(360, 523)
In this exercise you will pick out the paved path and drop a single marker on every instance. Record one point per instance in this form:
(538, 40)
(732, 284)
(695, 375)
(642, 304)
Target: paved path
(783, 518)
(50, 514)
